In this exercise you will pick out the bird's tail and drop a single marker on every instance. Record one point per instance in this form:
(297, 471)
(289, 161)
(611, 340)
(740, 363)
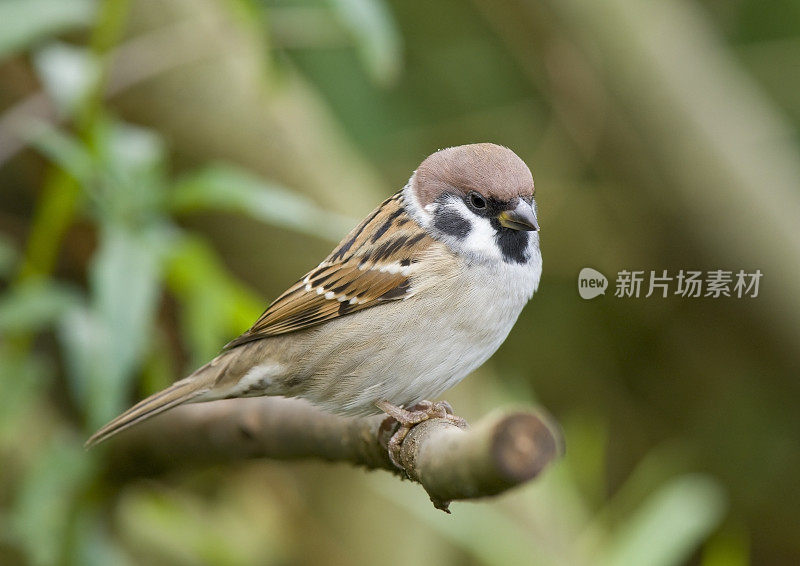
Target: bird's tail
(180, 392)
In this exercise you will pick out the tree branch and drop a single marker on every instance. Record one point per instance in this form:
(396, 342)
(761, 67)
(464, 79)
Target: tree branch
(501, 451)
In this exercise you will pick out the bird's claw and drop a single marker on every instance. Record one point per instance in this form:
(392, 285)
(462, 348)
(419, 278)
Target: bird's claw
(409, 418)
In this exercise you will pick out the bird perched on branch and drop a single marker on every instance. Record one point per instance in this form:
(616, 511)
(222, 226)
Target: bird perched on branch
(417, 296)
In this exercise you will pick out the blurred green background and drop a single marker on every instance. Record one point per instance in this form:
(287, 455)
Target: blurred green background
(167, 167)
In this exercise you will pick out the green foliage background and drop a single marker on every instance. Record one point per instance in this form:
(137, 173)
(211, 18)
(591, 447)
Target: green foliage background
(169, 166)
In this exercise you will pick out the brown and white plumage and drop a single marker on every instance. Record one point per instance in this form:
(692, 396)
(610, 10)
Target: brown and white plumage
(424, 290)
(367, 268)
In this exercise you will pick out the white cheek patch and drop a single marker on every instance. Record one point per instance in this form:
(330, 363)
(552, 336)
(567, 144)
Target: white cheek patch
(481, 240)
(480, 243)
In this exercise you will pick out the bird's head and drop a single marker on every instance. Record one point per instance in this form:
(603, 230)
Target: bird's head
(479, 199)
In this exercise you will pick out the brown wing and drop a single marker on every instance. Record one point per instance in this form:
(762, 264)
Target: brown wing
(373, 264)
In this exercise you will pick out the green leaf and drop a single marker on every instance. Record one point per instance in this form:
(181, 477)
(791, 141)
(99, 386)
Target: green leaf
(125, 282)
(42, 510)
(94, 377)
(132, 152)
(485, 532)
(731, 547)
(130, 171)
(173, 527)
(104, 342)
(64, 150)
(377, 39)
(229, 189)
(215, 307)
(124, 177)
(34, 305)
(25, 22)
(669, 526)
(587, 454)
(93, 544)
(67, 74)
(22, 381)
(8, 256)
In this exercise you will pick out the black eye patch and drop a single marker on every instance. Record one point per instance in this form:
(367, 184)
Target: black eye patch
(452, 223)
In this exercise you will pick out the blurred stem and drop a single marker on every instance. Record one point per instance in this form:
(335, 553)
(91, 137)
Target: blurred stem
(54, 214)
(110, 26)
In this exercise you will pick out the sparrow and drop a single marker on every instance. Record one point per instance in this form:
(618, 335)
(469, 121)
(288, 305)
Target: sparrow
(423, 291)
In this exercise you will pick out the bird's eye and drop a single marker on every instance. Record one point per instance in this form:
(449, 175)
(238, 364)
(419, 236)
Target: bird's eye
(477, 201)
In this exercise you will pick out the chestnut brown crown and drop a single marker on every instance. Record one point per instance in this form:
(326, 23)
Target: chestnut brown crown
(491, 170)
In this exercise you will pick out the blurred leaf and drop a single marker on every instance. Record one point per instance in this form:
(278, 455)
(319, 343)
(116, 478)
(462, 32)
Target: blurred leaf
(57, 206)
(730, 547)
(8, 256)
(669, 526)
(158, 369)
(177, 528)
(131, 169)
(215, 307)
(296, 26)
(247, 12)
(377, 38)
(68, 74)
(124, 180)
(229, 189)
(64, 150)
(22, 379)
(103, 343)
(94, 546)
(24, 22)
(493, 537)
(588, 439)
(95, 379)
(123, 177)
(125, 281)
(34, 305)
(134, 153)
(43, 507)
(659, 466)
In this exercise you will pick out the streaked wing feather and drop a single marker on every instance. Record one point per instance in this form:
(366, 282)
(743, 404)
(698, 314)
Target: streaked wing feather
(374, 263)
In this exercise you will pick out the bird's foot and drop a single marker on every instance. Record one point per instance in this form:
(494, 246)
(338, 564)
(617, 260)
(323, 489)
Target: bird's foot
(409, 418)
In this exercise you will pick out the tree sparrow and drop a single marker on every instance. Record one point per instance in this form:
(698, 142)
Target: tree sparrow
(417, 296)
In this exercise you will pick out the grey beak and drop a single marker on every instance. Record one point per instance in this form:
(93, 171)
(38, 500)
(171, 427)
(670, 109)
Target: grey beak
(521, 218)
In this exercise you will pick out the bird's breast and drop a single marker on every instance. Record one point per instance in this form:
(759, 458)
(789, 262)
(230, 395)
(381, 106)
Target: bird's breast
(416, 348)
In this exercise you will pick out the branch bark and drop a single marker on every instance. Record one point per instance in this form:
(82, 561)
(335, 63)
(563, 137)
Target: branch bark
(501, 451)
